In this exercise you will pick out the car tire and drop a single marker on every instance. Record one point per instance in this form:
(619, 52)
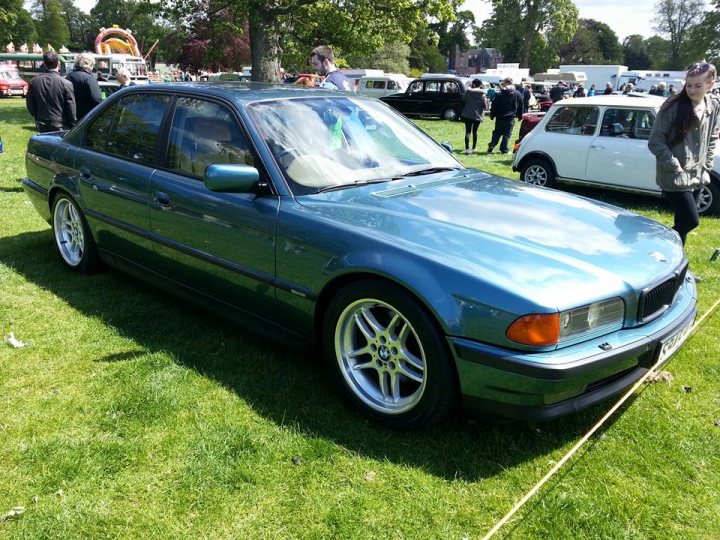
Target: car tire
(538, 171)
(451, 115)
(708, 199)
(388, 357)
(73, 238)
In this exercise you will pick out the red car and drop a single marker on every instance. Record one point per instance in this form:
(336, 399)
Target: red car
(529, 121)
(11, 83)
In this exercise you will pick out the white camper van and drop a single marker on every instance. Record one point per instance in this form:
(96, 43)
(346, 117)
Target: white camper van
(382, 85)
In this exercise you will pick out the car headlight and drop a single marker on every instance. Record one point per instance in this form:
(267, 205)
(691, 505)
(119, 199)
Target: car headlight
(543, 330)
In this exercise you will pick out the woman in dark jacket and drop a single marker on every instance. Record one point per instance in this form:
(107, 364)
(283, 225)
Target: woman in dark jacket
(683, 140)
(87, 90)
(473, 112)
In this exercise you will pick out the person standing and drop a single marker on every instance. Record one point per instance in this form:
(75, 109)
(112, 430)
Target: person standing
(473, 112)
(683, 140)
(85, 86)
(608, 89)
(507, 105)
(51, 98)
(322, 59)
(557, 92)
(123, 77)
(591, 91)
(579, 92)
(526, 94)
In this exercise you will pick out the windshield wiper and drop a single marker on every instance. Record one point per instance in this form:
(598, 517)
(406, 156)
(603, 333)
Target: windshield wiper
(429, 170)
(353, 184)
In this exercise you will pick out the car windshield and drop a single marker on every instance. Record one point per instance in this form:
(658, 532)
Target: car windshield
(9, 75)
(323, 143)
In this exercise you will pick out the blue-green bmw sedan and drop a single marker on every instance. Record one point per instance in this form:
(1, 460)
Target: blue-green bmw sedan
(329, 218)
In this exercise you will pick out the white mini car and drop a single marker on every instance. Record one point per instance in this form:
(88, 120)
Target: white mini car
(600, 141)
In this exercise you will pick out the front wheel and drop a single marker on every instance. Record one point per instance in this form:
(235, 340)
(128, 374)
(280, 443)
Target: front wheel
(708, 198)
(386, 355)
(72, 236)
(538, 172)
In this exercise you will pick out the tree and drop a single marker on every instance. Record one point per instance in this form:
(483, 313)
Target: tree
(80, 25)
(522, 29)
(704, 39)
(658, 50)
(362, 26)
(53, 27)
(453, 34)
(635, 54)
(16, 24)
(675, 19)
(608, 42)
(594, 42)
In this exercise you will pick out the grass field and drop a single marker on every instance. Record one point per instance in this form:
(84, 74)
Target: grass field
(132, 415)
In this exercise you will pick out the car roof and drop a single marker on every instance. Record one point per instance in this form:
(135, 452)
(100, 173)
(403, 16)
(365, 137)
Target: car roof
(240, 92)
(614, 100)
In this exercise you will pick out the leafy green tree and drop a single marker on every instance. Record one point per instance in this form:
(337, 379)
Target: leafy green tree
(594, 42)
(675, 19)
(80, 24)
(53, 27)
(658, 50)
(635, 54)
(362, 26)
(391, 57)
(453, 34)
(525, 29)
(16, 24)
(704, 38)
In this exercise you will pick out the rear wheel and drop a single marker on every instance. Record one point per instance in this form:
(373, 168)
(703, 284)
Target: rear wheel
(386, 355)
(708, 198)
(538, 171)
(72, 236)
(451, 114)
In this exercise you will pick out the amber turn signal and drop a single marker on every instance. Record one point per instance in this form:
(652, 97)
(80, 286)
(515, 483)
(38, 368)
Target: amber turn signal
(539, 330)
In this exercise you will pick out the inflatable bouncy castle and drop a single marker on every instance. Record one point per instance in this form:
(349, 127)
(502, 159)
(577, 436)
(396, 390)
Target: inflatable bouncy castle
(121, 42)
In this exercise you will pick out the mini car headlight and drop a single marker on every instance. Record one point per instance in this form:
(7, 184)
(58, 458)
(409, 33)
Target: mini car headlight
(591, 319)
(546, 329)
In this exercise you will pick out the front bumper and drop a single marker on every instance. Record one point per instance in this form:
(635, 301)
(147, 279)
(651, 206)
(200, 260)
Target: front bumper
(542, 386)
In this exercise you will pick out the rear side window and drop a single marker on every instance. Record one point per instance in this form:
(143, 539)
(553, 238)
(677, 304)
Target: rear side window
(392, 85)
(416, 87)
(573, 121)
(433, 86)
(136, 127)
(452, 87)
(379, 84)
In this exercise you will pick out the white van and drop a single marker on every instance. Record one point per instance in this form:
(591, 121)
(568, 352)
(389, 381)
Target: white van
(382, 85)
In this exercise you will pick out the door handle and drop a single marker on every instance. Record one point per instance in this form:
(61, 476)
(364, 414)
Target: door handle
(162, 199)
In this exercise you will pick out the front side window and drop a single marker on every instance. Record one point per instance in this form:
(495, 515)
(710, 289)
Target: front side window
(392, 85)
(573, 121)
(635, 123)
(136, 127)
(326, 143)
(99, 131)
(203, 134)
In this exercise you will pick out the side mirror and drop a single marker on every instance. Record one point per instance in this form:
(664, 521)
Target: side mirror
(617, 129)
(447, 146)
(226, 178)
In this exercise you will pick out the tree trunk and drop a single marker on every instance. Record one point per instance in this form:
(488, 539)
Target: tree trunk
(265, 47)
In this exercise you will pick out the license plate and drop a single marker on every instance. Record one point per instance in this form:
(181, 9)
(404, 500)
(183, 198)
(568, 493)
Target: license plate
(673, 343)
(16, 92)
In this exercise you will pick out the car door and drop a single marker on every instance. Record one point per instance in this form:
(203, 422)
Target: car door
(568, 135)
(114, 166)
(623, 159)
(434, 99)
(411, 102)
(220, 243)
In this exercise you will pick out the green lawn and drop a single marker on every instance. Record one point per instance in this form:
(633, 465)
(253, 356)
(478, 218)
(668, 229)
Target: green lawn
(132, 415)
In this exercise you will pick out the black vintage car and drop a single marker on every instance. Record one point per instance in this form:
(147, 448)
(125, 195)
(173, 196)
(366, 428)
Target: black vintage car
(441, 97)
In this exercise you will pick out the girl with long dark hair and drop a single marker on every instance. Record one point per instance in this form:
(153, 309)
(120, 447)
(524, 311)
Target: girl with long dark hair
(683, 140)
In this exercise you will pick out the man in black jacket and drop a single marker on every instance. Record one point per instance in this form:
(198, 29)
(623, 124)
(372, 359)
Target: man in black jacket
(557, 92)
(506, 106)
(87, 89)
(51, 98)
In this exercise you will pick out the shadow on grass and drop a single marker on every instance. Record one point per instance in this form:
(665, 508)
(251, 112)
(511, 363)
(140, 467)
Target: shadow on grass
(288, 388)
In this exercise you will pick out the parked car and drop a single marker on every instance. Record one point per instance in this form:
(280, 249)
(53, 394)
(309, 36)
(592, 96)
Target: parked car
(11, 83)
(529, 121)
(382, 85)
(432, 96)
(600, 141)
(329, 218)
